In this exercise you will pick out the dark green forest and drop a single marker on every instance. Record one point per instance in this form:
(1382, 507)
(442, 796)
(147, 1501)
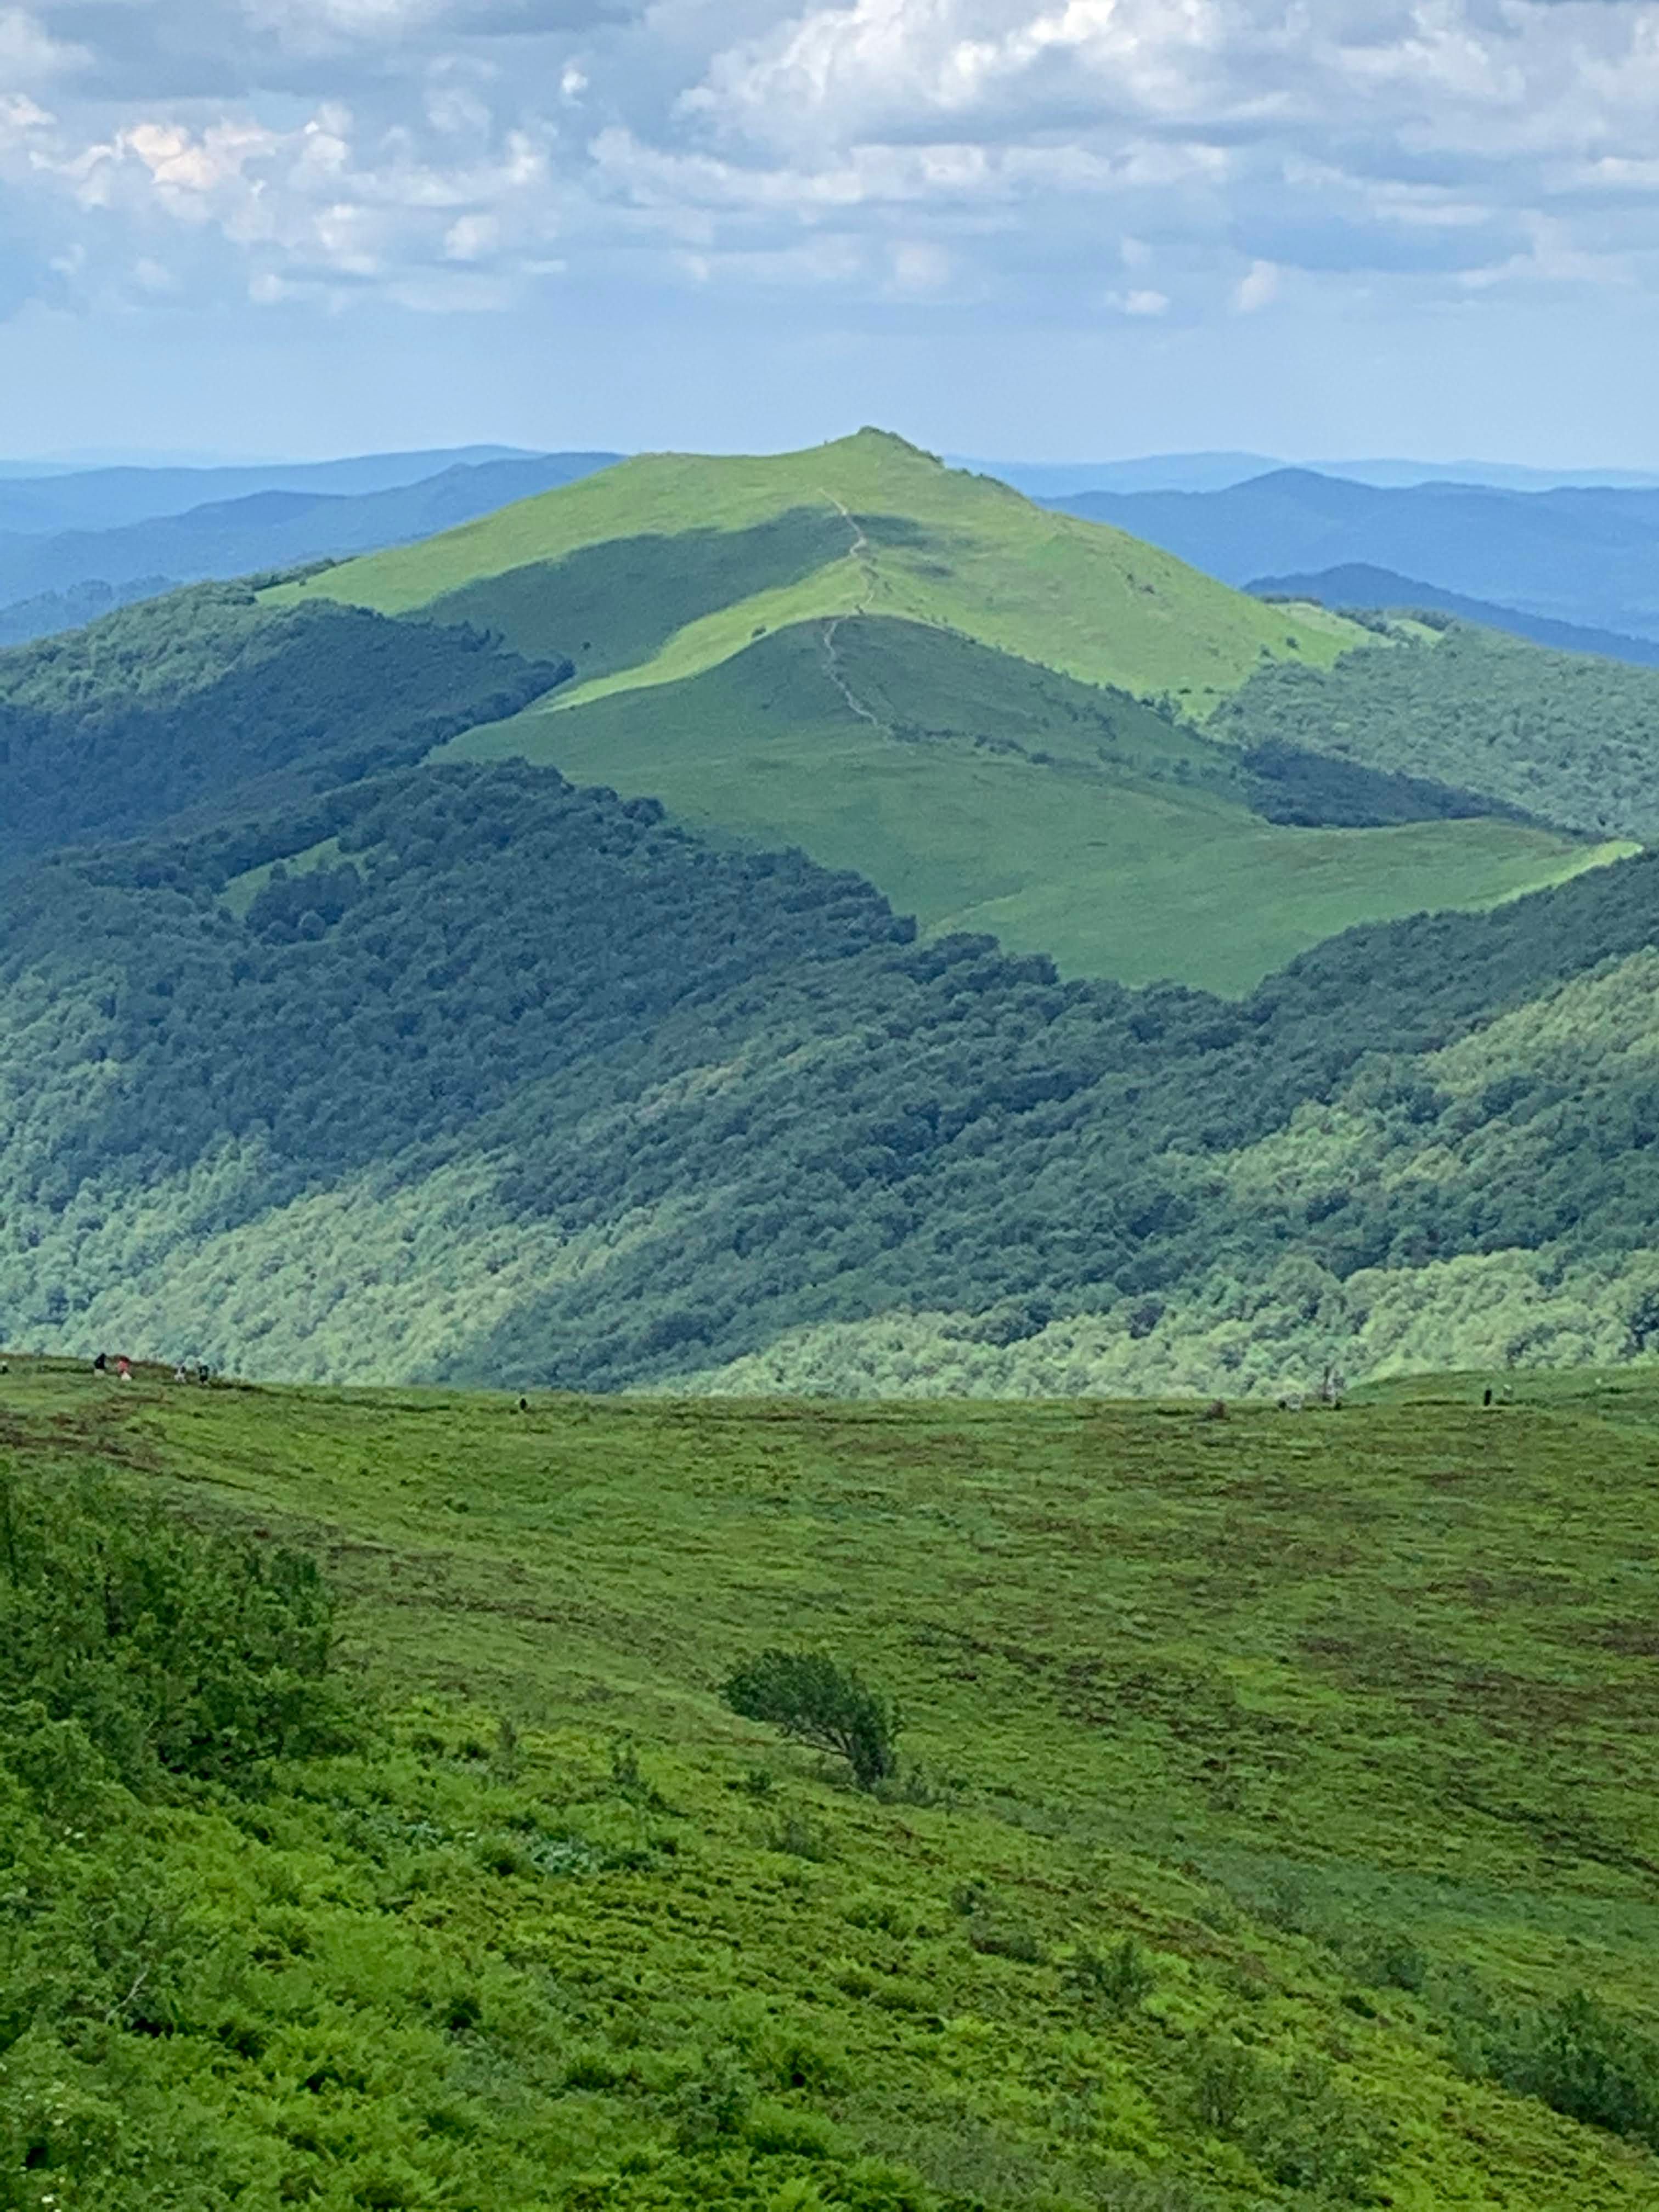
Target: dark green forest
(701, 1099)
(206, 702)
(1566, 737)
(317, 1059)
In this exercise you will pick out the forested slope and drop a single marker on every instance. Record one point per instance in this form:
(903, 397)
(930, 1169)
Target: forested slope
(498, 1079)
(983, 791)
(339, 1040)
(206, 703)
(914, 672)
(1568, 737)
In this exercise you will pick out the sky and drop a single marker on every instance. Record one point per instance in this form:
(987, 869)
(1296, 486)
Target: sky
(1041, 229)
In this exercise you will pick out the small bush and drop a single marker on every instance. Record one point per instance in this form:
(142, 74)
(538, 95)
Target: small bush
(1122, 1979)
(1388, 1960)
(713, 2105)
(1293, 2121)
(1581, 2061)
(814, 1699)
(173, 1652)
(797, 1837)
(994, 1941)
(1226, 2081)
(779, 2131)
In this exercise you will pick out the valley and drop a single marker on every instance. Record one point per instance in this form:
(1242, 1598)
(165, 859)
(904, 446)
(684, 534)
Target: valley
(680, 933)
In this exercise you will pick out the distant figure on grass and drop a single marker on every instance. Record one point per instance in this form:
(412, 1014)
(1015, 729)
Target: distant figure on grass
(124, 1369)
(100, 1365)
(1486, 1401)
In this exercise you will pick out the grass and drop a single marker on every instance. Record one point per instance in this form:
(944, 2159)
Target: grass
(750, 635)
(980, 791)
(1338, 1717)
(917, 540)
(611, 606)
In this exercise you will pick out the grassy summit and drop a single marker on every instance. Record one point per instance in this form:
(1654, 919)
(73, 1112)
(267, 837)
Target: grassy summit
(1276, 1826)
(914, 672)
(866, 526)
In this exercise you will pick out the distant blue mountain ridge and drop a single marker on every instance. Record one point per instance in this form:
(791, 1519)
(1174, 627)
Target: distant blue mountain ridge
(56, 581)
(1219, 471)
(1586, 555)
(1573, 563)
(1356, 586)
(108, 498)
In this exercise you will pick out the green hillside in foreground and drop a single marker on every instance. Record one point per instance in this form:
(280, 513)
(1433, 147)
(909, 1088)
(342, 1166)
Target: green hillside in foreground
(1275, 1823)
(988, 709)
(982, 791)
(463, 1073)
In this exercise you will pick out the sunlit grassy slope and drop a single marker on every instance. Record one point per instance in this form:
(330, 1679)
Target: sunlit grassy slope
(866, 525)
(1346, 1718)
(980, 791)
(914, 673)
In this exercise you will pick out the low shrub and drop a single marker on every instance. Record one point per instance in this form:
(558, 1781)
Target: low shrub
(174, 1652)
(797, 1837)
(1118, 1980)
(811, 1697)
(1293, 2122)
(1581, 2060)
(999, 1940)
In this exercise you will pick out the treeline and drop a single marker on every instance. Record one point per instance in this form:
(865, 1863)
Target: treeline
(208, 703)
(526, 1084)
(1565, 738)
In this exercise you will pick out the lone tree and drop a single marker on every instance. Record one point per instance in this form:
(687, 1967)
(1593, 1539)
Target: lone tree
(812, 1699)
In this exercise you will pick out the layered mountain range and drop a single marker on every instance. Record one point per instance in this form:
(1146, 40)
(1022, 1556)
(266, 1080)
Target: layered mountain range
(821, 923)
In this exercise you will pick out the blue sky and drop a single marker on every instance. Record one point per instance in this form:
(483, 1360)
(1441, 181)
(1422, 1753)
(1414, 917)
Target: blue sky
(1035, 229)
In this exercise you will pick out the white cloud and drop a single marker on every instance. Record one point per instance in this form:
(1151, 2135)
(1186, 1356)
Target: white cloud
(472, 237)
(1259, 288)
(30, 56)
(960, 150)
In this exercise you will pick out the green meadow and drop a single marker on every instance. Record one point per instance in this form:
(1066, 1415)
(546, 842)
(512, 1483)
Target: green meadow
(982, 791)
(867, 525)
(1275, 1825)
(994, 712)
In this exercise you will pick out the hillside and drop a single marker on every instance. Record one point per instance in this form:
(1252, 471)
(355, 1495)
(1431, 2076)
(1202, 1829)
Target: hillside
(866, 526)
(982, 791)
(493, 1080)
(204, 705)
(364, 1048)
(1566, 737)
(966, 664)
(1273, 1828)
(1587, 556)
